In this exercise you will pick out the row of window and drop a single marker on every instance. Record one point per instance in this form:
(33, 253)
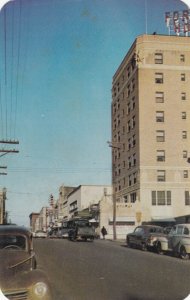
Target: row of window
(161, 175)
(160, 157)
(160, 135)
(159, 96)
(158, 198)
(132, 178)
(130, 106)
(159, 77)
(160, 116)
(158, 58)
(165, 198)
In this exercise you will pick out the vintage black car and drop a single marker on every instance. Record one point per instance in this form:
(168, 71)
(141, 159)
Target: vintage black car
(144, 236)
(19, 276)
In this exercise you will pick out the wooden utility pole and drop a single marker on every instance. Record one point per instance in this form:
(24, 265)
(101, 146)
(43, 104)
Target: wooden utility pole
(114, 145)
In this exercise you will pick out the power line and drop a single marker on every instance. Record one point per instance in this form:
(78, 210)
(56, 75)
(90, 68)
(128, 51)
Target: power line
(18, 61)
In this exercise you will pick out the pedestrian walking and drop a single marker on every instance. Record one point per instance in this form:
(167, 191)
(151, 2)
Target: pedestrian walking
(104, 232)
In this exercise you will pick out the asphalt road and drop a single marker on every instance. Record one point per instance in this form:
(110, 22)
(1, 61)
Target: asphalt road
(107, 270)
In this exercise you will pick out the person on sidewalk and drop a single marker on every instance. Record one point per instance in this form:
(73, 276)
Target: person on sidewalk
(104, 232)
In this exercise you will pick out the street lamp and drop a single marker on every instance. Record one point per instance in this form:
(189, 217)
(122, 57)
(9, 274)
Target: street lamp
(114, 145)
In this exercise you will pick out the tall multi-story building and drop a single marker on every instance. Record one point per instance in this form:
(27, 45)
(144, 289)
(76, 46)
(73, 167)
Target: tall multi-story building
(151, 129)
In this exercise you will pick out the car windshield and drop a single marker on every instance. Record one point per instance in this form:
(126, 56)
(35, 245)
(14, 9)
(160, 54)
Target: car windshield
(13, 242)
(139, 230)
(83, 223)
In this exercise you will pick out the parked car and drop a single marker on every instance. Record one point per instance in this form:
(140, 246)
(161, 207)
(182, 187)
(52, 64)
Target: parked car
(80, 229)
(19, 276)
(40, 234)
(59, 232)
(144, 236)
(177, 241)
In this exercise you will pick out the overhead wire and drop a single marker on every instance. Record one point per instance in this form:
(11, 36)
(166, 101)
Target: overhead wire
(18, 64)
(5, 66)
(11, 69)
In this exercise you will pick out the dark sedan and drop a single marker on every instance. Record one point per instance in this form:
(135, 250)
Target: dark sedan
(19, 276)
(144, 236)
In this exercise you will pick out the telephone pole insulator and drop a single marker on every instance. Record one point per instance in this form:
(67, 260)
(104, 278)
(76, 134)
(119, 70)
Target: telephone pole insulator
(15, 142)
(9, 150)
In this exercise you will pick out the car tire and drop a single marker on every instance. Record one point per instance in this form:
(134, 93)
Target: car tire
(128, 243)
(183, 253)
(159, 248)
(144, 247)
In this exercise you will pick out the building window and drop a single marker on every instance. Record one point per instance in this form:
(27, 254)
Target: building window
(160, 136)
(159, 97)
(128, 126)
(129, 144)
(133, 197)
(153, 197)
(128, 90)
(159, 78)
(184, 134)
(185, 174)
(134, 159)
(183, 115)
(129, 180)
(133, 102)
(182, 58)
(128, 108)
(158, 58)
(161, 175)
(134, 178)
(132, 85)
(185, 154)
(183, 96)
(129, 162)
(161, 198)
(133, 122)
(183, 77)
(187, 198)
(159, 116)
(160, 155)
(134, 140)
(128, 72)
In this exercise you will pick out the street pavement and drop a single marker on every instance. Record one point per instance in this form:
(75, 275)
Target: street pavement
(108, 270)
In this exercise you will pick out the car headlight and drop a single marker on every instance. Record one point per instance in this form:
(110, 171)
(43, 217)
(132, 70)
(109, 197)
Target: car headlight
(40, 289)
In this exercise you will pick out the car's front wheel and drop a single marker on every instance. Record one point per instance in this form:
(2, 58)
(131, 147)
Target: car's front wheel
(159, 248)
(183, 253)
(129, 243)
(144, 247)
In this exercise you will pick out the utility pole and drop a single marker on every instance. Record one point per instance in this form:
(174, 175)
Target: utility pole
(114, 145)
(6, 151)
(3, 167)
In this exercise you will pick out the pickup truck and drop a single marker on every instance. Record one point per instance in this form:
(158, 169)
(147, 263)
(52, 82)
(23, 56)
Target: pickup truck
(177, 241)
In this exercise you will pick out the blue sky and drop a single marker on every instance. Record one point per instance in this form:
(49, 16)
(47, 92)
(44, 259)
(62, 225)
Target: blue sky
(57, 60)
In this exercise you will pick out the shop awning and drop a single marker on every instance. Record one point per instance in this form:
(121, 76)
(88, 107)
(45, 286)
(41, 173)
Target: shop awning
(164, 220)
(124, 219)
